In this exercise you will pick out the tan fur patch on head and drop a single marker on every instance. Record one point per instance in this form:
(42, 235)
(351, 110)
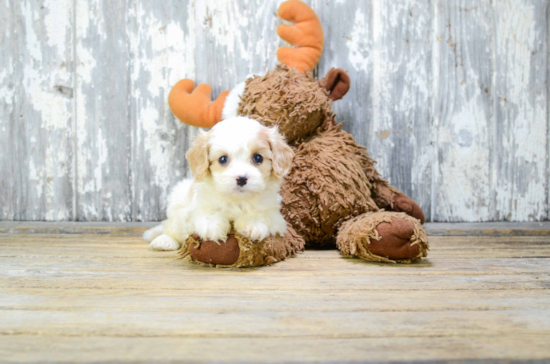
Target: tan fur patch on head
(261, 146)
(215, 166)
(281, 153)
(198, 156)
(293, 101)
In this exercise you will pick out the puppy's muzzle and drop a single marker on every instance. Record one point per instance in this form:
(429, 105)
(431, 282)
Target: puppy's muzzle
(241, 181)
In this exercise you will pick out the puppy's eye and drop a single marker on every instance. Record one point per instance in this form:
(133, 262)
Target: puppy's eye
(223, 159)
(258, 159)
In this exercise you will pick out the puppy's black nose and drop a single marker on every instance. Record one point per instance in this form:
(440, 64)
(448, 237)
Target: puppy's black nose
(241, 181)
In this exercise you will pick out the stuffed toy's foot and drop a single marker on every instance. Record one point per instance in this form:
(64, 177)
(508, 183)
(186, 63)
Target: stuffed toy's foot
(403, 203)
(383, 237)
(241, 252)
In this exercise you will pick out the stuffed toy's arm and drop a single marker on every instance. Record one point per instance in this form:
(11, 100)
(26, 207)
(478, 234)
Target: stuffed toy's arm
(388, 197)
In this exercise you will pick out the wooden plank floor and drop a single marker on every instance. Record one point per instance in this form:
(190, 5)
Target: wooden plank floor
(105, 297)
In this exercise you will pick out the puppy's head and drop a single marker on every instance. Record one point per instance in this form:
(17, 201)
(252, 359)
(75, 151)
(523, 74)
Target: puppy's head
(240, 157)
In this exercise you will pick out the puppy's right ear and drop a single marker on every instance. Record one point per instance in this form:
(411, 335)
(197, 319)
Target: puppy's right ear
(282, 154)
(198, 156)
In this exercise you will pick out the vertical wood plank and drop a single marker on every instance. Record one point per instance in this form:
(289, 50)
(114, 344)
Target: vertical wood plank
(102, 114)
(401, 125)
(162, 40)
(521, 133)
(9, 93)
(349, 45)
(462, 89)
(36, 95)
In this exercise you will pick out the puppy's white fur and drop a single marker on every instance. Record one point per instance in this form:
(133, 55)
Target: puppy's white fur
(208, 204)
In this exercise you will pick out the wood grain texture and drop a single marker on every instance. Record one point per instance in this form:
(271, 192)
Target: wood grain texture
(462, 112)
(89, 298)
(401, 125)
(349, 45)
(103, 130)
(36, 98)
(8, 112)
(112, 349)
(162, 51)
(521, 99)
(451, 98)
(138, 228)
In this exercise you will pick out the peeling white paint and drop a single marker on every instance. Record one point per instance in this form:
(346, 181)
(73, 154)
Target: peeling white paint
(30, 17)
(420, 71)
(169, 56)
(35, 74)
(6, 95)
(101, 149)
(35, 178)
(465, 189)
(225, 25)
(57, 21)
(357, 42)
(400, 96)
(523, 106)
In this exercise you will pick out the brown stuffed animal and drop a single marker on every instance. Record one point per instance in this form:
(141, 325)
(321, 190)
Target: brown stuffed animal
(333, 195)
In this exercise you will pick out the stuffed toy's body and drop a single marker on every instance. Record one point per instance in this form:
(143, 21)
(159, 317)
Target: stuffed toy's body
(332, 195)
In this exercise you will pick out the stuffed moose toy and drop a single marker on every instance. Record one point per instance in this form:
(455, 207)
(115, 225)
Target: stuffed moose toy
(332, 195)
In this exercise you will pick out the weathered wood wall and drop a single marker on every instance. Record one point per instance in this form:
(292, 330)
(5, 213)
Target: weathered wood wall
(451, 98)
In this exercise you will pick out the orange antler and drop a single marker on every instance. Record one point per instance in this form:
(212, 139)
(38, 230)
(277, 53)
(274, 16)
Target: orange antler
(196, 108)
(306, 35)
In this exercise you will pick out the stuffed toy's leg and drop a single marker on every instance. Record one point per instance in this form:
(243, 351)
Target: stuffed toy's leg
(383, 236)
(241, 252)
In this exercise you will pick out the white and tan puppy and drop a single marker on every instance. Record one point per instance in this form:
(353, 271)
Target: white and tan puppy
(237, 166)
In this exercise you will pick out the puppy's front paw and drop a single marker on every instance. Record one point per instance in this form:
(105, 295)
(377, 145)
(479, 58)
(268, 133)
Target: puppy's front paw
(254, 230)
(212, 228)
(164, 242)
(277, 225)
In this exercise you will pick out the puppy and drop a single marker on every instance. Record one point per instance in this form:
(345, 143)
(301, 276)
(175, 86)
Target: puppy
(237, 167)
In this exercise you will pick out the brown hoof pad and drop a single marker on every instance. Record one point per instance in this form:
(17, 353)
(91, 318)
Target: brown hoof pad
(211, 252)
(394, 240)
(403, 203)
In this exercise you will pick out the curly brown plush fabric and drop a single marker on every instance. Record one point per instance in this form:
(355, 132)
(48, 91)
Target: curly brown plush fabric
(326, 186)
(292, 100)
(241, 252)
(382, 192)
(332, 178)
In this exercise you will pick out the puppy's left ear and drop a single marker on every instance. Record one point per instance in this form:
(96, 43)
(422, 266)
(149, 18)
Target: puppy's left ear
(198, 156)
(282, 154)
